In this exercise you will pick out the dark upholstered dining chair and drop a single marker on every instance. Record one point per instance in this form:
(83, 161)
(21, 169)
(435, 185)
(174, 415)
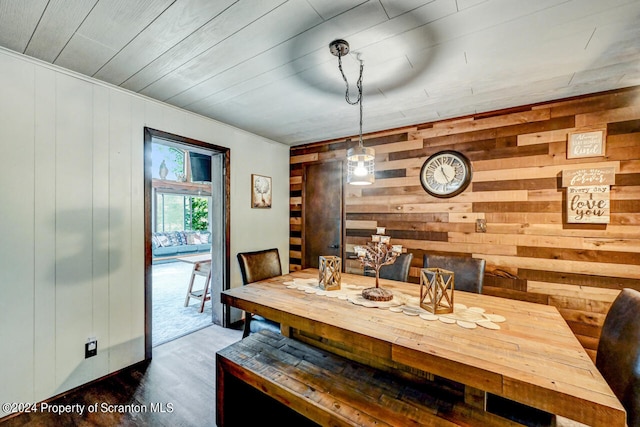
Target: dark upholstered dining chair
(256, 266)
(468, 272)
(399, 270)
(618, 355)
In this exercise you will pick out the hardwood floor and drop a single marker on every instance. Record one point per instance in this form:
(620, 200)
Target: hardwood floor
(176, 388)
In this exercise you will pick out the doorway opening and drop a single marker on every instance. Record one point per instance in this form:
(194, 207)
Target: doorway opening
(186, 236)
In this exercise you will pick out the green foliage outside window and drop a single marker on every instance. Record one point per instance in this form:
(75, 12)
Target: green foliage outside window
(199, 214)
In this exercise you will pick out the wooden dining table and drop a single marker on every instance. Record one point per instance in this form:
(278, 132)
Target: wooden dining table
(532, 357)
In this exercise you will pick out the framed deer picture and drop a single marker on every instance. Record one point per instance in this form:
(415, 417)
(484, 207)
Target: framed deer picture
(260, 191)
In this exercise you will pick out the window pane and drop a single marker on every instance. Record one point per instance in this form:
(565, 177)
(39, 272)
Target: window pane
(167, 162)
(170, 212)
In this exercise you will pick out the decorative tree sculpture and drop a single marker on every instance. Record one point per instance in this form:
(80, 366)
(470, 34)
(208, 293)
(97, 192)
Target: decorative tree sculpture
(377, 253)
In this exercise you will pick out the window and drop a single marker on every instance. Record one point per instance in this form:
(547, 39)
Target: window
(181, 204)
(175, 212)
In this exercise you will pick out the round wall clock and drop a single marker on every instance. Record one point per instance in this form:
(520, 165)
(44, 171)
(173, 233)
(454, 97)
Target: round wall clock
(445, 174)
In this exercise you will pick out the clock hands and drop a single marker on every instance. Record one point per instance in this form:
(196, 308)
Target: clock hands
(445, 174)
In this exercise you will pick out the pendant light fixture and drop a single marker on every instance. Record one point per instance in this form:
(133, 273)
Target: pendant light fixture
(360, 159)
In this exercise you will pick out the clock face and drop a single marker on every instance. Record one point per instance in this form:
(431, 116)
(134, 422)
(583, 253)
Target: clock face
(445, 174)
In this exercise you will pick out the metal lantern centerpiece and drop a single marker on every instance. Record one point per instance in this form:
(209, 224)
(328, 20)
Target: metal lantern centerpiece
(330, 277)
(436, 290)
(377, 253)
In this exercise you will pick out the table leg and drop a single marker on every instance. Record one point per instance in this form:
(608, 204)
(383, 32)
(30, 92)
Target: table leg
(205, 290)
(475, 397)
(190, 288)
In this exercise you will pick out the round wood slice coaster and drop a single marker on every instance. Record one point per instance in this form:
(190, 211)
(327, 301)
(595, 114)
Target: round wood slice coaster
(412, 301)
(467, 325)
(412, 311)
(377, 294)
(496, 318)
(467, 315)
(428, 316)
(489, 325)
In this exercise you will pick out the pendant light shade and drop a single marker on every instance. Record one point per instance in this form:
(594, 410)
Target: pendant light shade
(361, 165)
(360, 160)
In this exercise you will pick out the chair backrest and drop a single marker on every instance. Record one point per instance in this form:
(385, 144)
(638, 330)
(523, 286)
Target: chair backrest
(468, 272)
(399, 270)
(618, 356)
(259, 265)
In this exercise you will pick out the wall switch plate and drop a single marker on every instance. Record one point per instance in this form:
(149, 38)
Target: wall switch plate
(90, 348)
(481, 225)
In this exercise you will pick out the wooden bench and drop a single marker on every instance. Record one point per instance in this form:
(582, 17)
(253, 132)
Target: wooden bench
(267, 377)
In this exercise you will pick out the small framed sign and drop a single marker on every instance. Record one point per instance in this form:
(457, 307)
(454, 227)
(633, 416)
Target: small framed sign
(590, 143)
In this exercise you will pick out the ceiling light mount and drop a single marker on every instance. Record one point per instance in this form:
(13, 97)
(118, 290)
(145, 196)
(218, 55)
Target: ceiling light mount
(339, 47)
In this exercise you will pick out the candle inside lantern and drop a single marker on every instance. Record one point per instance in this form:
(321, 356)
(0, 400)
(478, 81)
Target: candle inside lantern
(375, 238)
(380, 230)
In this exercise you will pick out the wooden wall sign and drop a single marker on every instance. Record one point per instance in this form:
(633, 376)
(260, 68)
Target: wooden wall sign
(588, 195)
(586, 144)
(588, 205)
(589, 176)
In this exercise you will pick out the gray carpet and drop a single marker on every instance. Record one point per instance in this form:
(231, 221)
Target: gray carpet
(170, 318)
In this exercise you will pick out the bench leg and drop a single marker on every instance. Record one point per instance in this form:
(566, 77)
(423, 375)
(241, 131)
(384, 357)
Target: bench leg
(220, 392)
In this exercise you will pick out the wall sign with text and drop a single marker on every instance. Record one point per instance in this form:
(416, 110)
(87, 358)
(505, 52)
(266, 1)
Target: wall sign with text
(588, 195)
(588, 205)
(586, 144)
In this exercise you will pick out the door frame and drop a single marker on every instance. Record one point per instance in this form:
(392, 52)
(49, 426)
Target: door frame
(343, 231)
(225, 153)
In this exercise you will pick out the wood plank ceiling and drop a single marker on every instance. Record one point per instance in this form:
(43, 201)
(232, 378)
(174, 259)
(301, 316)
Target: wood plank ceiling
(265, 66)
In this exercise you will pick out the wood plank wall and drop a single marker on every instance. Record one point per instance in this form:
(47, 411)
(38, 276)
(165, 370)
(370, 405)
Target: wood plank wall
(517, 156)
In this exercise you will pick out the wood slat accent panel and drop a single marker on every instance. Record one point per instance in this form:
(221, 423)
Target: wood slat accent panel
(518, 156)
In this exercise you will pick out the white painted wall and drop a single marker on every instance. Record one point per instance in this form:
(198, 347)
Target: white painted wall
(72, 218)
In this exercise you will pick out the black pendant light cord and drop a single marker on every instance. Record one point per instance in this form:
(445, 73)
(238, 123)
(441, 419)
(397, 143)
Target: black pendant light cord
(346, 96)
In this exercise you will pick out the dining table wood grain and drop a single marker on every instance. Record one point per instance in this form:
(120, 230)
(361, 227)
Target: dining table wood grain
(534, 358)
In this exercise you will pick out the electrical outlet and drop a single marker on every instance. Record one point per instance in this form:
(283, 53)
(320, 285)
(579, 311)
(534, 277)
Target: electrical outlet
(481, 225)
(91, 348)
